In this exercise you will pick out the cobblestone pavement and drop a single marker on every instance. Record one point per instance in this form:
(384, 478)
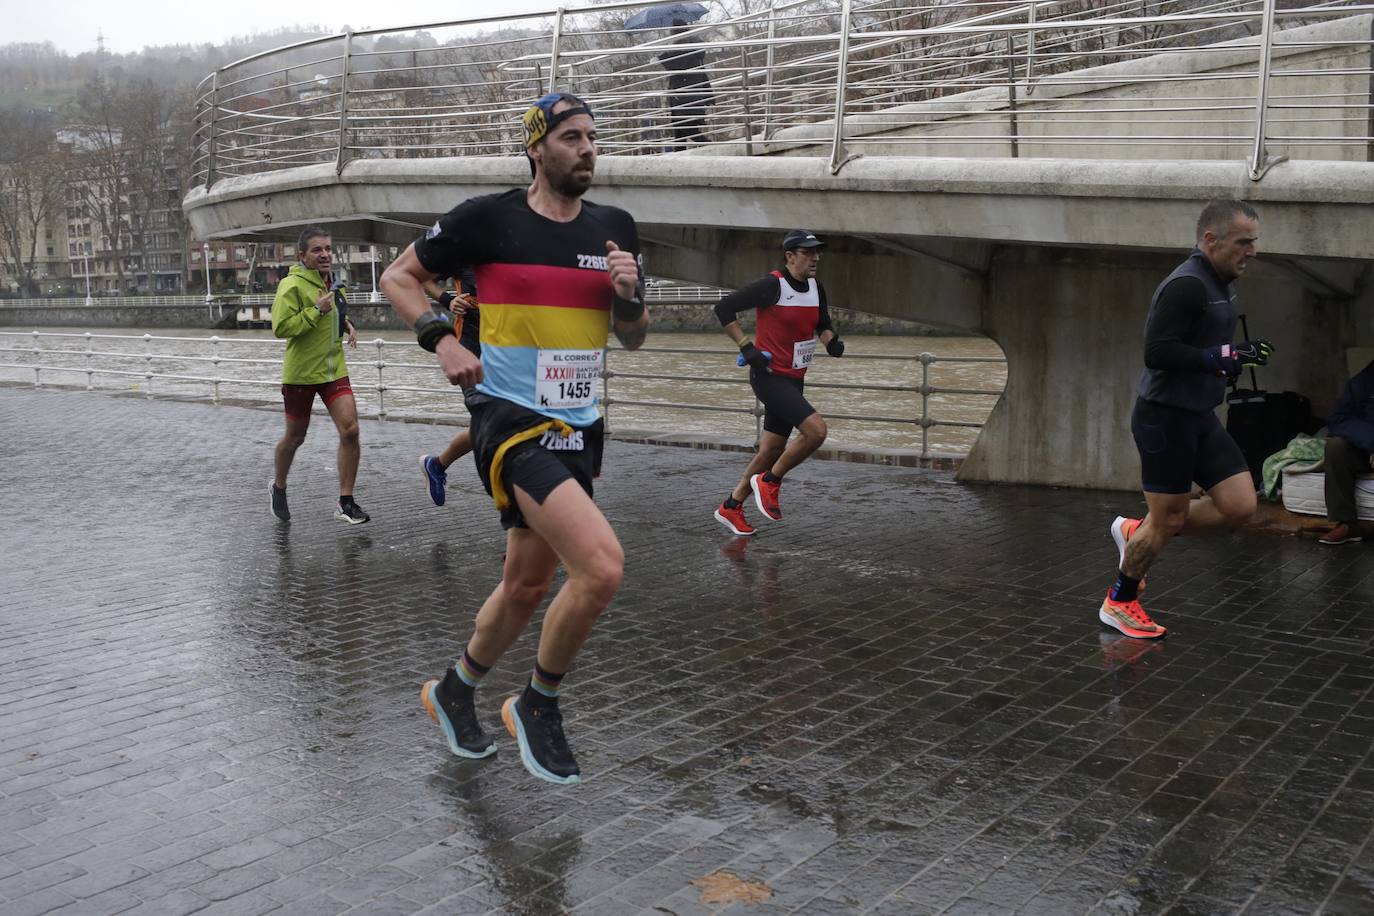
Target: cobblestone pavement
(897, 701)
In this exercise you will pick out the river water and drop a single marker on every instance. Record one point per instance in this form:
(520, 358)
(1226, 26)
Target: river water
(682, 368)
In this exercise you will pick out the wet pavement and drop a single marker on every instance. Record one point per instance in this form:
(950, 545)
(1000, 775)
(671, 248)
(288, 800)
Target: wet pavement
(897, 701)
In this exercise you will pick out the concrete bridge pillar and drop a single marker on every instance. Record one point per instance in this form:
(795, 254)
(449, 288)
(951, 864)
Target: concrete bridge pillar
(1071, 323)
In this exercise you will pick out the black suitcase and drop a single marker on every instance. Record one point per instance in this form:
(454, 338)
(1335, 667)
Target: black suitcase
(1264, 422)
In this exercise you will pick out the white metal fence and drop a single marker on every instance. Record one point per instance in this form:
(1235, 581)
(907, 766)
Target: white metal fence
(655, 292)
(168, 364)
(1191, 78)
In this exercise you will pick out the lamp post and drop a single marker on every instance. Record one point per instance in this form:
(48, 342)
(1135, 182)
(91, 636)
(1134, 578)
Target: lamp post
(87, 266)
(374, 297)
(205, 250)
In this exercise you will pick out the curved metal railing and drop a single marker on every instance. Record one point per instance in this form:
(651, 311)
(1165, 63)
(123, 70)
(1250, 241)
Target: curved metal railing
(1079, 78)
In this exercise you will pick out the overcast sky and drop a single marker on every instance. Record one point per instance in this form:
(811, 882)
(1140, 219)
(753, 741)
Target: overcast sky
(72, 25)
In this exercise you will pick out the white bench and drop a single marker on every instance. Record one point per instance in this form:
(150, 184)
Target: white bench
(1304, 491)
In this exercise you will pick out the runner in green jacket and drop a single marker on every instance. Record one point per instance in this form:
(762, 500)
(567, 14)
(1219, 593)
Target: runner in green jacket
(308, 312)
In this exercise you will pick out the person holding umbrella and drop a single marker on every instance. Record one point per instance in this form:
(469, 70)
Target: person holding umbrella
(689, 91)
(689, 84)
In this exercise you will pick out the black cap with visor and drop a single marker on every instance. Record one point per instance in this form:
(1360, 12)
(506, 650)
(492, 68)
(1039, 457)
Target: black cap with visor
(801, 238)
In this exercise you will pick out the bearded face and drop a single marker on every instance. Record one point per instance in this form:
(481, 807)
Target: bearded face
(567, 156)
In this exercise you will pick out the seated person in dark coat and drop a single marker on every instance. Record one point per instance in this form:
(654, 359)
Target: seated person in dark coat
(1349, 445)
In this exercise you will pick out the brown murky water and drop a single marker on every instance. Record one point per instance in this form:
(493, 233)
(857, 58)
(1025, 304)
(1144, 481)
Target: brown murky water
(662, 388)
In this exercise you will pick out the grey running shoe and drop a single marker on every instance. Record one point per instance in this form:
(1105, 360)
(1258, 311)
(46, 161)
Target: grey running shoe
(279, 502)
(350, 512)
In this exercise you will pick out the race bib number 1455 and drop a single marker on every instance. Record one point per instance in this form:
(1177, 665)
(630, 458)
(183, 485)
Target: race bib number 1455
(567, 378)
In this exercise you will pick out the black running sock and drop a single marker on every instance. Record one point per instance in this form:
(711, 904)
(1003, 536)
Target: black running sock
(345, 500)
(769, 478)
(542, 690)
(1125, 588)
(731, 503)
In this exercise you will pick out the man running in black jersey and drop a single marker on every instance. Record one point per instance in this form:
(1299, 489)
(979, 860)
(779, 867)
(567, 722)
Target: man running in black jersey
(1188, 361)
(792, 312)
(556, 274)
(467, 315)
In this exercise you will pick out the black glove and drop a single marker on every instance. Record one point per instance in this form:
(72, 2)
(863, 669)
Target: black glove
(1253, 352)
(753, 356)
(1228, 361)
(835, 347)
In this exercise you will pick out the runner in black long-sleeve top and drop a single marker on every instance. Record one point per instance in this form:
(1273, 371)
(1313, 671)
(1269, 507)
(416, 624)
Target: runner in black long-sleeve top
(1188, 360)
(792, 313)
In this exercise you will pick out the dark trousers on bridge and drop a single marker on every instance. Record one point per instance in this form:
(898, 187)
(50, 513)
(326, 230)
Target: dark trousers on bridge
(1343, 462)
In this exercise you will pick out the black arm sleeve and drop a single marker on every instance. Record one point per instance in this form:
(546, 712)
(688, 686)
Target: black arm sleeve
(823, 322)
(760, 293)
(457, 240)
(1172, 320)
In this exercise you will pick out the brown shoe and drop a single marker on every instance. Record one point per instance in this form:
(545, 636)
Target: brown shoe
(1341, 534)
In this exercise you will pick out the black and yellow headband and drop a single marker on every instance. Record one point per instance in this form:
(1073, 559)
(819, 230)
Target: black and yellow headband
(539, 119)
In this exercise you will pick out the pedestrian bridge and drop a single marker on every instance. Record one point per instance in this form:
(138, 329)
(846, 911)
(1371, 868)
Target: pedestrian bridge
(1029, 174)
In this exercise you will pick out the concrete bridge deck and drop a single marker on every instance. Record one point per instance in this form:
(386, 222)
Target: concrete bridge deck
(899, 701)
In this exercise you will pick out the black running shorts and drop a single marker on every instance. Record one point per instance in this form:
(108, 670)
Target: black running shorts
(784, 407)
(515, 447)
(1179, 447)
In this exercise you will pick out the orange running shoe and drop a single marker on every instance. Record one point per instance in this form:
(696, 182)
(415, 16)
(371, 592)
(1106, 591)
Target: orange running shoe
(1123, 529)
(1130, 618)
(734, 520)
(766, 495)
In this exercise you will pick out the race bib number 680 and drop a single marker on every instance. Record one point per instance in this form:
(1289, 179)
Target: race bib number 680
(567, 378)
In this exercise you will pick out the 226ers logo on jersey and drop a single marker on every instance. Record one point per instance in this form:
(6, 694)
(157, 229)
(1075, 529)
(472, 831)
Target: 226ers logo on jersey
(554, 442)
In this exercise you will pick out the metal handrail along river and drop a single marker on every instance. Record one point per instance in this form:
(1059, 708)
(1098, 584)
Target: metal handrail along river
(166, 365)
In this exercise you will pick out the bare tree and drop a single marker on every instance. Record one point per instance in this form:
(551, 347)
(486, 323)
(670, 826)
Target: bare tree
(103, 163)
(31, 191)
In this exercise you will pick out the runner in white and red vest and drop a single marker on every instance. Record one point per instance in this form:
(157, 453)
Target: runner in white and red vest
(792, 314)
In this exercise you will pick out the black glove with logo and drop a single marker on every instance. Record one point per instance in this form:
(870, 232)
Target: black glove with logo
(1253, 352)
(835, 347)
(1227, 360)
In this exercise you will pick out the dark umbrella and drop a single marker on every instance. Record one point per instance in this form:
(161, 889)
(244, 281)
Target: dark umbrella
(662, 17)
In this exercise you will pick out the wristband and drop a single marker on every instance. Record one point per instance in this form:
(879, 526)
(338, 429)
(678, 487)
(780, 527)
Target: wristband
(446, 299)
(430, 328)
(627, 309)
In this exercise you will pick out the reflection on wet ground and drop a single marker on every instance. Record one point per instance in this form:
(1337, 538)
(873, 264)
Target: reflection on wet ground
(897, 701)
